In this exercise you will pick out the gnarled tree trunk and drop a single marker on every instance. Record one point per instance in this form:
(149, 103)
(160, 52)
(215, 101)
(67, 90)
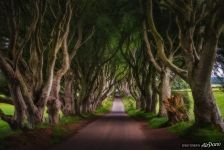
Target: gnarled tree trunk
(20, 113)
(205, 108)
(69, 108)
(54, 104)
(165, 91)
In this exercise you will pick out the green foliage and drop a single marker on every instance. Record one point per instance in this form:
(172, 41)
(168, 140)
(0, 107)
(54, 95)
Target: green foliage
(139, 114)
(58, 134)
(129, 103)
(179, 83)
(69, 119)
(158, 122)
(4, 127)
(219, 95)
(7, 108)
(204, 134)
(186, 129)
(181, 128)
(105, 106)
(207, 134)
(185, 96)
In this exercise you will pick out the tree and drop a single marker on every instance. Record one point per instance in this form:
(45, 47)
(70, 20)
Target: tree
(200, 24)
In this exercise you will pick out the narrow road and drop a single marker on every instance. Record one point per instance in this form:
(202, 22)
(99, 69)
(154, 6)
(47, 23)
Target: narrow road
(114, 131)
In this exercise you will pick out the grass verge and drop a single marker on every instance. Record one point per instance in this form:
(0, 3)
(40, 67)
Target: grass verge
(153, 120)
(105, 106)
(188, 130)
(183, 129)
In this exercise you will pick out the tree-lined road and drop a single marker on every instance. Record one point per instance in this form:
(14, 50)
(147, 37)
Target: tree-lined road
(114, 131)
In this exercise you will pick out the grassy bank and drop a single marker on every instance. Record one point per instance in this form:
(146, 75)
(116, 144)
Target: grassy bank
(58, 130)
(4, 127)
(105, 106)
(153, 120)
(184, 129)
(219, 96)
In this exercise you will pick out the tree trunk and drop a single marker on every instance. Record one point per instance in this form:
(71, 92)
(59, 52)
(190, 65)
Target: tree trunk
(77, 107)
(68, 108)
(154, 93)
(138, 104)
(142, 103)
(148, 101)
(154, 101)
(205, 108)
(165, 91)
(20, 107)
(85, 107)
(54, 103)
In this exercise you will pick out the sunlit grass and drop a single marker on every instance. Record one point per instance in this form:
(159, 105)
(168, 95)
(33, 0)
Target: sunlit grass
(105, 106)
(7, 108)
(158, 122)
(204, 134)
(129, 103)
(219, 96)
(4, 127)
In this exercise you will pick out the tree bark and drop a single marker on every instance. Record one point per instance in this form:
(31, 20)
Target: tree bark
(69, 107)
(165, 91)
(142, 102)
(138, 104)
(54, 103)
(154, 93)
(20, 107)
(77, 107)
(205, 108)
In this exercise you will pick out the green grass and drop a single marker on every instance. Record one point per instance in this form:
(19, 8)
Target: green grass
(59, 131)
(158, 122)
(153, 120)
(186, 129)
(207, 134)
(219, 96)
(58, 134)
(7, 108)
(4, 127)
(181, 128)
(105, 106)
(129, 103)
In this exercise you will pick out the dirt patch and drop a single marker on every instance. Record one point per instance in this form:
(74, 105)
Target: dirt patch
(38, 139)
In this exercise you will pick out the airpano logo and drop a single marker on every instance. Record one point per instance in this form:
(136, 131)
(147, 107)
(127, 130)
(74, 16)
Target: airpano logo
(210, 144)
(203, 145)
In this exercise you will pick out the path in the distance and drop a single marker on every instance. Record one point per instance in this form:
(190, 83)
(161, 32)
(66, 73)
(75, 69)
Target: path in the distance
(114, 131)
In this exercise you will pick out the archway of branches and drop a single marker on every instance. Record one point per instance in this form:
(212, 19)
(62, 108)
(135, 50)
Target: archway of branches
(71, 55)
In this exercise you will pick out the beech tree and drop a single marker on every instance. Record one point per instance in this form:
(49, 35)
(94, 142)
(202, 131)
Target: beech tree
(33, 39)
(200, 24)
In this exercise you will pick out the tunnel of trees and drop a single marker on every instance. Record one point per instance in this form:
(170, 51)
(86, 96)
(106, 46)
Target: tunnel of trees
(69, 55)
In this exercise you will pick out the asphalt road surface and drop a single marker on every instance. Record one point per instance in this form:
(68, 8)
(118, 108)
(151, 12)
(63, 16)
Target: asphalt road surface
(114, 131)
